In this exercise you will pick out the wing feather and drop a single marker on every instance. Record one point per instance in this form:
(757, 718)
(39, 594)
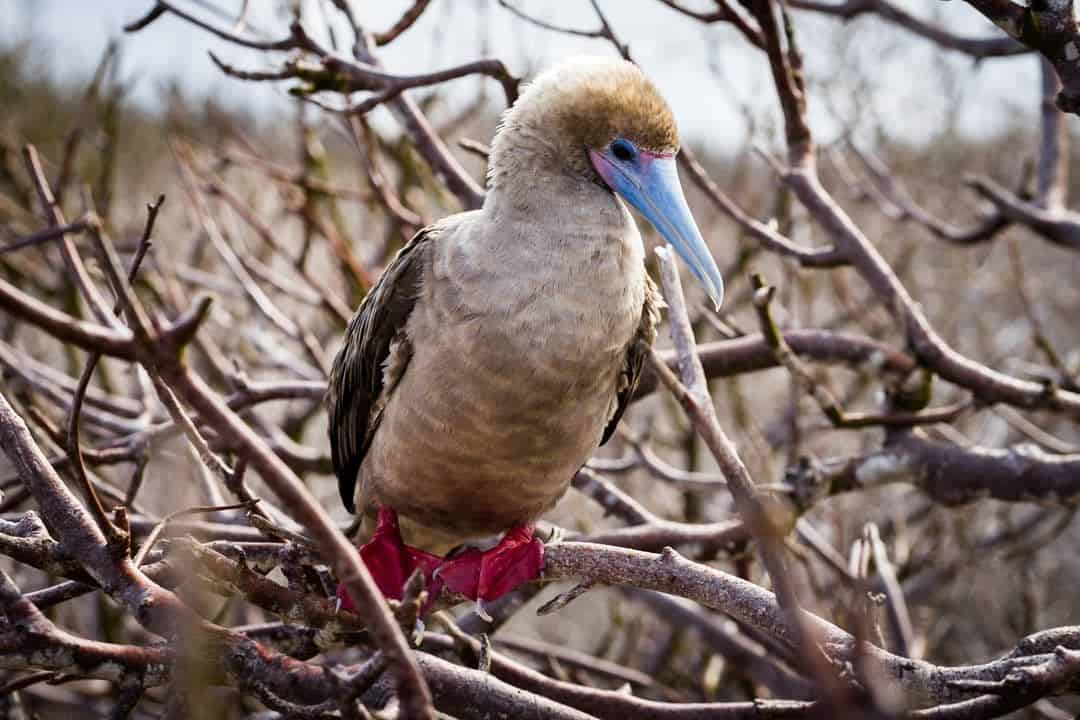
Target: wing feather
(635, 354)
(357, 389)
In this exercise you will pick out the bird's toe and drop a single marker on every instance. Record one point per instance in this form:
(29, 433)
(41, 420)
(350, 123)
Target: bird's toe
(512, 563)
(391, 562)
(461, 574)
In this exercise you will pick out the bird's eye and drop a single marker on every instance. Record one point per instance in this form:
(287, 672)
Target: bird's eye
(623, 150)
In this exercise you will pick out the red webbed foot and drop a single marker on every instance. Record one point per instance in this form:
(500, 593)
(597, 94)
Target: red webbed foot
(488, 575)
(391, 562)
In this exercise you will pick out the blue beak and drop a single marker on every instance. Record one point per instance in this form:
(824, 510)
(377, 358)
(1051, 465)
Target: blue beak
(650, 182)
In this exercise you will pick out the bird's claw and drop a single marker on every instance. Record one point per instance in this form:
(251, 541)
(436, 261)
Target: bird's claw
(482, 576)
(391, 562)
(488, 575)
(481, 612)
(555, 536)
(418, 632)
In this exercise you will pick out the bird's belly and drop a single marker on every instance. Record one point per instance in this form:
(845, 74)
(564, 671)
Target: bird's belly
(472, 443)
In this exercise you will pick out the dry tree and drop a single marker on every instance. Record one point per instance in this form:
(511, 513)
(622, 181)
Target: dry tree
(205, 334)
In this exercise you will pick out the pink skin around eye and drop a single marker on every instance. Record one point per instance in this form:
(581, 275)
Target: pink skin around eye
(604, 167)
(607, 169)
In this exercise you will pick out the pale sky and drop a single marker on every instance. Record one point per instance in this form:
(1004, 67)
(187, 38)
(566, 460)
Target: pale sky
(908, 77)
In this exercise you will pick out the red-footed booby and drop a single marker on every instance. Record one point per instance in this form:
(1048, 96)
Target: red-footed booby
(501, 346)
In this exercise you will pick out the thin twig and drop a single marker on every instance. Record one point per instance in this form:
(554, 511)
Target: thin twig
(74, 446)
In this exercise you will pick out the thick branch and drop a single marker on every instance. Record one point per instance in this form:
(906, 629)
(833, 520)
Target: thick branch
(922, 683)
(1048, 26)
(954, 475)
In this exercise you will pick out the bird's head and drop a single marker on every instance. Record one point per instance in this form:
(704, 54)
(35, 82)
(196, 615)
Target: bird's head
(607, 123)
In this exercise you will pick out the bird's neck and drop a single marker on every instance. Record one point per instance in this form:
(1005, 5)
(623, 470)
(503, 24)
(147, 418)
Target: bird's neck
(552, 236)
(534, 180)
(564, 226)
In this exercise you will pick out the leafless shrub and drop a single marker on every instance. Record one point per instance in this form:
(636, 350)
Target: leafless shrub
(163, 381)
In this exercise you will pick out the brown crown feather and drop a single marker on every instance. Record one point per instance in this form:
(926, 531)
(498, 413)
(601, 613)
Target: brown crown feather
(586, 102)
(611, 100)
(590, 100)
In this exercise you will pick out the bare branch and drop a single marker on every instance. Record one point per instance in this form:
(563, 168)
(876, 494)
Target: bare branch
(1060, 227)
(406, 21)
(978, 48)
(925, 683)
(517, 12)
(984, 230)
(46, 235)
(954, 475)
(763, 295)
(55, 218)
(1049, 27)
(695, 399)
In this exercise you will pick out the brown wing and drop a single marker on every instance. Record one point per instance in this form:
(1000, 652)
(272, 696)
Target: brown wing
(636, 353)
(354, 393)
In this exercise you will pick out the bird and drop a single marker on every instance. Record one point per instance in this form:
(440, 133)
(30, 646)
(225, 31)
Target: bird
(501, 346)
